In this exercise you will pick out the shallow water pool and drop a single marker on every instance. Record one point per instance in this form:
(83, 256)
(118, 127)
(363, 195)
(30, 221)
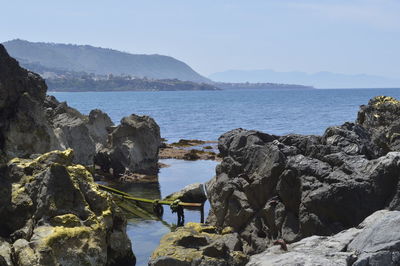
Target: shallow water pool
(145, 234)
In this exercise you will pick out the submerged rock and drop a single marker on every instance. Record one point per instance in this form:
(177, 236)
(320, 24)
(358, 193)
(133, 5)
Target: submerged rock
(374, 242)
(132, 147)
(57, 215)
(197, 244)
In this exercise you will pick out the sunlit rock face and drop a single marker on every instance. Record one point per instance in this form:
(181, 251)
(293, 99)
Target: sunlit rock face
(33, 123)
(373, 242)
(198, 244)
(57, 215)
(290, 187)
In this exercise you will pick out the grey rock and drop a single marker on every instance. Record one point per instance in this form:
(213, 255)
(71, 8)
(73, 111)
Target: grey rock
(132, 147)
(85, 134)
(191, 193)
(373, 242)
(5, 253)
(32, 123)
(379, 242)
(290, 187)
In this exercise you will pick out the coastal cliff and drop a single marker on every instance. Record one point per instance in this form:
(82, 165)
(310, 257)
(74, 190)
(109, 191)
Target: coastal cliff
(280, 189)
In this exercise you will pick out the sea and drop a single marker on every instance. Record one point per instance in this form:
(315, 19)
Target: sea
(205, 115)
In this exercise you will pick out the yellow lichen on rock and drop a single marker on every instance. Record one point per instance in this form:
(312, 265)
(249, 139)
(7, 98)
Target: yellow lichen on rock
(198, 242)
(379, 100)
(66, 220)
(227, 230)
(168, 247)
(63, 234)
(200, 228)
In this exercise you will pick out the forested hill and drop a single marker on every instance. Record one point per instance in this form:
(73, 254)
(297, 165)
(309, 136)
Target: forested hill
(100, 61)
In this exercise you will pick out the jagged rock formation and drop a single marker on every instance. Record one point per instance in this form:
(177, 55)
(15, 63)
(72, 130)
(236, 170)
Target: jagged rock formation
(85, 134)
(23, 126)
(269, 187)
(132, 147)
(57, 215)
(287, 188)
(197, 244)
(374, 242)
(31, 123)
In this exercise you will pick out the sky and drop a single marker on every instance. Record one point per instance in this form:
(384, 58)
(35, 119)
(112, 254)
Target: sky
(342, 36)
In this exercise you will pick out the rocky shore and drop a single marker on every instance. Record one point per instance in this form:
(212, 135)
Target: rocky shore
(56, 215)
(275, 200)
(53, 211)
(272, 191)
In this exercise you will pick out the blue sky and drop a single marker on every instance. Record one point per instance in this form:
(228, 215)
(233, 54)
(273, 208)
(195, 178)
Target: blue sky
(353, 36)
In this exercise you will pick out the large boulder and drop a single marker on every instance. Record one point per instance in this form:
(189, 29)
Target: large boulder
(376, 241)
(56, 214)
(132, 147)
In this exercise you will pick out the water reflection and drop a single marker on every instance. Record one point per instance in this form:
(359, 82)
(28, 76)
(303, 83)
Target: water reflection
(145, 232)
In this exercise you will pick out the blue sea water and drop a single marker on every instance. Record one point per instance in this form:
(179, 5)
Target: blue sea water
(208, 114)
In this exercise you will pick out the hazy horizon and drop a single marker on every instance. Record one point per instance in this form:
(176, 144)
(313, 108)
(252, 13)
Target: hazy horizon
(347, 37)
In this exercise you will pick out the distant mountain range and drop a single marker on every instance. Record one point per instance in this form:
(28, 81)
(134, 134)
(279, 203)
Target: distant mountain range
(99, 61)
(318, 80)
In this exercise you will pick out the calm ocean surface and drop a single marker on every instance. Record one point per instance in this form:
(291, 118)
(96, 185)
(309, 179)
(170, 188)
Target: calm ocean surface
(208, 114)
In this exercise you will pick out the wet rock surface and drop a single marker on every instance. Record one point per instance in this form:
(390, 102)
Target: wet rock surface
(57, 215)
